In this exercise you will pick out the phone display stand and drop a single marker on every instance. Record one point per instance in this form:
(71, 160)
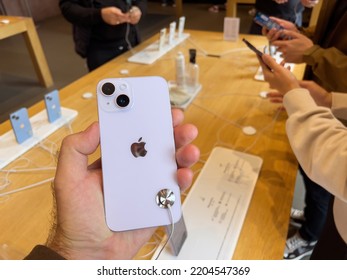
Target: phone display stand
(216, 206)
(182, 98)
(152, 52)
(42, 128)
(277, 56)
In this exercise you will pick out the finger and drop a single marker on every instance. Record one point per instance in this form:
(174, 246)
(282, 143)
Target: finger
(184, 178)
(73, 157)
(264, 31)
(271, 62)
(185, 134)
(262, 64)
(177, 116)
(276, 100)
(279, 43)
(273, 35)
(276, 19)
(282, 62)
(187, 156)
(289, 34)
(274, 95)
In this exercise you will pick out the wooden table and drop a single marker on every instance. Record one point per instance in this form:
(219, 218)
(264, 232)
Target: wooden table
(25, 26)
(229, 95)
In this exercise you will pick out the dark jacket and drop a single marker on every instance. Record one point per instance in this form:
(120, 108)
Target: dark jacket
(327, 59)
(287, 11)
(41, 252)
(85, 16)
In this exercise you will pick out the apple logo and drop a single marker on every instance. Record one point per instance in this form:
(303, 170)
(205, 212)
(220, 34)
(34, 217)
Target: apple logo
(138, 148)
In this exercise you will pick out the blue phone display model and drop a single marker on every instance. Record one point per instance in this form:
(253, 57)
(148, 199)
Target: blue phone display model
(52, 103)
(264, 21)
(21, 125)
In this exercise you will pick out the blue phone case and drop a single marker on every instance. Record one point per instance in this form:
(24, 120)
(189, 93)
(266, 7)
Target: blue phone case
(21, 125)
(265, 21)
(53, 108)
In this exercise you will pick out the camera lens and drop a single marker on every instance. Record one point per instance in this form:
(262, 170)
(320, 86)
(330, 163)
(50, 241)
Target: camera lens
(122, 100)
(108, 89)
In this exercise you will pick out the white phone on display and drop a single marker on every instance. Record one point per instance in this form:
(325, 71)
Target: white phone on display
(138, 153)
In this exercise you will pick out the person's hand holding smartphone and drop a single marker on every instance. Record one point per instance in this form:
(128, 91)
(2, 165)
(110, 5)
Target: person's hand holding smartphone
(279, 77)
(272, 26)
(80, 231)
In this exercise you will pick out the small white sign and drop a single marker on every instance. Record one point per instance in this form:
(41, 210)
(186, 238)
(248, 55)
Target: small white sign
(231, 28)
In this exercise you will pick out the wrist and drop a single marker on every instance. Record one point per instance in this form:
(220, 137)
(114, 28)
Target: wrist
(92, 249)
(57, 244)
(291, 87)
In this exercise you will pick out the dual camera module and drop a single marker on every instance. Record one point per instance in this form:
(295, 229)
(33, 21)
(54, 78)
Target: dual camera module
(122, 100)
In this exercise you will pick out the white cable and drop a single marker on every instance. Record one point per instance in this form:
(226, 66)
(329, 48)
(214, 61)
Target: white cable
(27, 187)
(216, 115)
(127, 32)
(6, 180)
(227, 94)
(28, 170)
(262, 130)
(171, 233)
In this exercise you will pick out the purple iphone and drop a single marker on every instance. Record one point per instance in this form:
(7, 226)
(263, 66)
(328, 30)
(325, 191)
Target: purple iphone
(138, 153)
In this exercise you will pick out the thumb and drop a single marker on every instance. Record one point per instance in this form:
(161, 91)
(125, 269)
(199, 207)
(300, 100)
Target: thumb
(73, 156)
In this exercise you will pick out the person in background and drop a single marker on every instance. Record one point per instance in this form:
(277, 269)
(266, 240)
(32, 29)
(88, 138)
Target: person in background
(80, 231)
(216, 6)
(319, 141)
(325, 53)
(290, 10)
(103, 29)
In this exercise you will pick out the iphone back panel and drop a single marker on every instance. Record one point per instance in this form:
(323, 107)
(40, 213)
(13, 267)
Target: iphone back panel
(137, 152)
(21, 125)
(52, 104)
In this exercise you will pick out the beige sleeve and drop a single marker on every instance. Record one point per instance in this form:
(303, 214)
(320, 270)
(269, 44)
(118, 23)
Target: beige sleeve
(318, 140)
